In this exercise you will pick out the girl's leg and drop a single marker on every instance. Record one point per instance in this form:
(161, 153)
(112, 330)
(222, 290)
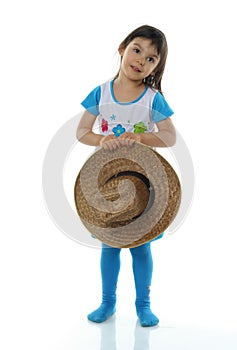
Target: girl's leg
(142, 269)
(110, 266)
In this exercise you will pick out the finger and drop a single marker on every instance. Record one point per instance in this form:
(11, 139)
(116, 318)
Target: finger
(105, 145)
(113, 144)
(128, 141)
(131, 142)
(121, 141)
(110, 145)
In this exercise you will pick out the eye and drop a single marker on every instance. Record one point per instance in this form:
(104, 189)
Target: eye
(136, 50)
(150, 59)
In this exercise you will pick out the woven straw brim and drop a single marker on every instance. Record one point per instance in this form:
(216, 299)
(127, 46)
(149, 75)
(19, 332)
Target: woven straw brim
(127, 197)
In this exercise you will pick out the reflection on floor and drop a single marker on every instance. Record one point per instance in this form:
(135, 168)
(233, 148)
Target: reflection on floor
(121, 333)
(141, 336)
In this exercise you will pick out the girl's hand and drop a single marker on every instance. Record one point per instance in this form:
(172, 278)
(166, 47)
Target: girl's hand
(110, 142)
(128, 139)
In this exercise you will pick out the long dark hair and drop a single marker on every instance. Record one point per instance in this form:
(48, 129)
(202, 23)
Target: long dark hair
(159, 40)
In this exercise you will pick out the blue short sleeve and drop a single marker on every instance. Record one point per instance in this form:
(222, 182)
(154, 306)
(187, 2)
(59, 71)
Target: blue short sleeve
(160, 108)
(91, 102)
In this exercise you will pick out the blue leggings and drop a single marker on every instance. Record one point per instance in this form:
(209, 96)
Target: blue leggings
(142, 264)
(142, 270)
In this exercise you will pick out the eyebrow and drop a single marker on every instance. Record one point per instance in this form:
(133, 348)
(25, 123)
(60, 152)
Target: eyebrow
(156, 56)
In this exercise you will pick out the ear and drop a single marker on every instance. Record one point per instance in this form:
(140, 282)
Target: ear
(121, 51)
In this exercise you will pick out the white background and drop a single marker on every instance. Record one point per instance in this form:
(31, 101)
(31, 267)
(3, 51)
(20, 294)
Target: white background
(52, 54)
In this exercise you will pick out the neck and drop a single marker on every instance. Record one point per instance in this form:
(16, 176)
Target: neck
(126, 90)
(124, 82)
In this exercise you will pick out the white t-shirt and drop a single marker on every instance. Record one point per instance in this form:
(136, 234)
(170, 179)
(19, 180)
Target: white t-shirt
(117, 117)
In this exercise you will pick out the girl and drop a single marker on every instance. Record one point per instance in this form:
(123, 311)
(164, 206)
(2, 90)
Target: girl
(130, 108)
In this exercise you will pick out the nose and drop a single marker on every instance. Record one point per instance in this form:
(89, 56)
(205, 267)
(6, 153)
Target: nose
(141, 61)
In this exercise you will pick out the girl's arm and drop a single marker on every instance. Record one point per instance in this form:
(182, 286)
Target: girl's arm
(84, 130)
(86, 135)
(165, 137)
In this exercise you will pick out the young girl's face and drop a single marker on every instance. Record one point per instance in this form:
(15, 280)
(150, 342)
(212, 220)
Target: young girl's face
(139, 59)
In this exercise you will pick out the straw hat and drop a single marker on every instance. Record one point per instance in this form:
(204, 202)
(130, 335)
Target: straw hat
(128, 196)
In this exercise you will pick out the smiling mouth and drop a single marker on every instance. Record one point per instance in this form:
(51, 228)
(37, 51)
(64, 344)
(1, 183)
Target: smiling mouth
(135, 69)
